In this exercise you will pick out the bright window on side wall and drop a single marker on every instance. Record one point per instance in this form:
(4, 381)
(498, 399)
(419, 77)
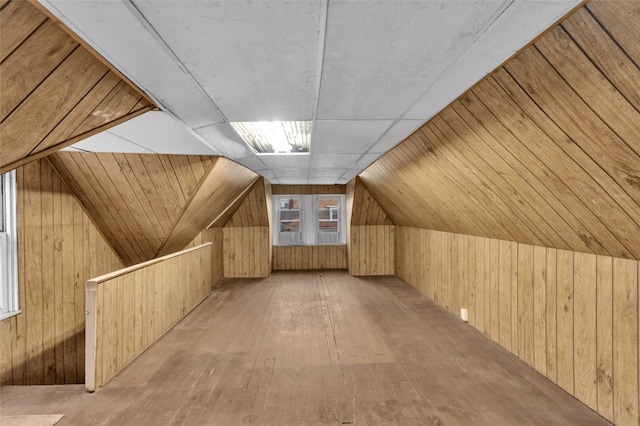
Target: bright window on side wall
(308, 220)
(8, 247)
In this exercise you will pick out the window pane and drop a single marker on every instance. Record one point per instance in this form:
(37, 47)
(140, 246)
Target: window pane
(289, 214)
(289, 203)
(290, 226)
(328, 226)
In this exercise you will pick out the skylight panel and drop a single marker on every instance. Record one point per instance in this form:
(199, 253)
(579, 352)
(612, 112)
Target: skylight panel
(275, 137)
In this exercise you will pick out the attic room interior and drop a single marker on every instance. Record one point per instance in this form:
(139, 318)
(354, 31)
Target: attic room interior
(320, 212)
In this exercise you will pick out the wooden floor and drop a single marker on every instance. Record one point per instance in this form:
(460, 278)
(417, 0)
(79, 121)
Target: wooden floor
(315, 348)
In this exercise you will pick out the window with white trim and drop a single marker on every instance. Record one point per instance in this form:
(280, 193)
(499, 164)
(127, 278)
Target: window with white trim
(308, 220)
(8, 247)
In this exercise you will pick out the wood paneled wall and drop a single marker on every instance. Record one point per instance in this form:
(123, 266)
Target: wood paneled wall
(246, 252)
(545, 151)
(572, 316)
(247, 236)
(59, 249)
(307, 189)
(135, 199)
(371, 250)
(220, 189)
(215, 237)
(151, 205)
(370, 239)
(129, 309)
(309, 257)
(54, 91)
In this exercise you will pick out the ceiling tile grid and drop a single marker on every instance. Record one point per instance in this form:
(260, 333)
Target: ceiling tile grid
(367, 73)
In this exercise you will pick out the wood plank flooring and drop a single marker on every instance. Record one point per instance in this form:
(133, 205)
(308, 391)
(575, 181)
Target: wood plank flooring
(316, 347)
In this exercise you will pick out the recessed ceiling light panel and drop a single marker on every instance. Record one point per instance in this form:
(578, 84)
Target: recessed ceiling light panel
(276, 137)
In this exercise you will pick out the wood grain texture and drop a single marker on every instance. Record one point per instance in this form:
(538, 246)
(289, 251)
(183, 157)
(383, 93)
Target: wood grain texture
(542, 152)
(307, 189)
(129, 309)
(247, 238)
(253, 211)
(287, 258)
(55, 91)
(370, 236)
(577, 313)
(60, 248)
(223, 184)
(134, 199)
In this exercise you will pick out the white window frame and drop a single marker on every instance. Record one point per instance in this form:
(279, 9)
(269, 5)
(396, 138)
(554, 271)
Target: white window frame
(309, 220)
(8, 248)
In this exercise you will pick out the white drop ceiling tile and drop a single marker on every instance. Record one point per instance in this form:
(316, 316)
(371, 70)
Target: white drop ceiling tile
(365, 161)
(287, 162)
(322, 181)
(291, 177)
(333, 161)
(396, 134)
(160, 133)
(520, 23)
(252, 162)
(114, 31)
(380, 56)
(256, 59)
(109, 142)
(326, 173)
(350, 174)
(346, 136)
(224, 139)
(267, 174)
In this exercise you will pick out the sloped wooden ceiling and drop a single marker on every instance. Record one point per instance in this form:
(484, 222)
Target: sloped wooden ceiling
(219, 193)
(365, 209)
(54, 90)
(545, 151)
(253, 211)
(139, 200)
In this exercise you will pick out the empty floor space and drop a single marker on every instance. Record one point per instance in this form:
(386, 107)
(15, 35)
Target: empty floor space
(315, 348)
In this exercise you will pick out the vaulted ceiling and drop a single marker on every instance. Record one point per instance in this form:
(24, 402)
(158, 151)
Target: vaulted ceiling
(545, 151)
(366, 73)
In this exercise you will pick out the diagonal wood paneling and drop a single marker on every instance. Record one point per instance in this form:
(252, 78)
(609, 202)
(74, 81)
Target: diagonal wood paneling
(134, 199)
(253, 210)
(42, 65)
(365, 209)
(218, 193)
(545, 151)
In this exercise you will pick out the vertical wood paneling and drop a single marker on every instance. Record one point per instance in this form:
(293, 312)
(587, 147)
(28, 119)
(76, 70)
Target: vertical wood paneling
(625, 341)
(585, 346)
(604, 336)
(246, 236)
(59, 249)
(575, 315)
(116, 319)
(565, 319)
(309, 257)
(307, 189)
